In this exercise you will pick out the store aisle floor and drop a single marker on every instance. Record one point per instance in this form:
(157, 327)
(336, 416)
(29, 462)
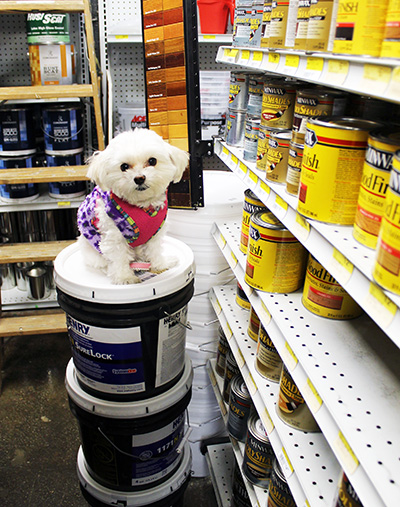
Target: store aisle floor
(39, 437)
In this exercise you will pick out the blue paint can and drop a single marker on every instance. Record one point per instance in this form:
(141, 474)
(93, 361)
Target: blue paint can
(63, 129)
(66, 189)
(18, 191)
(17, 131)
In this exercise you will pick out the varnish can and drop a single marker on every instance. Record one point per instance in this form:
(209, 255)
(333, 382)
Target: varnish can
(52, 64)
(295, 159)
(258, 453)
(268, 362)
(303, 14)
(360, 27)
(382, 144)
(282, 28)
(239, 409)
(333, 159)
(262, 146)
(277, 155)
(346, 494)
(241, 298)
(387, 263)
(231, 370)
(241, 25)
(321, 25)
(222, 350)
(275, 258)
(324, 296)
(251, 204)
(240, 496)
(256, 23)
(314, 102)
(256, 88)
(279, 493)
(254, 324)
(291, 407)
(235, 123)
(251, 131)
(266, 23)
(238, 91)
(391, 37)
(278, 101)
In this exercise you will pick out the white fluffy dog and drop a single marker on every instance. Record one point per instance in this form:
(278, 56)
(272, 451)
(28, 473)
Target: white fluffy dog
(121, 220)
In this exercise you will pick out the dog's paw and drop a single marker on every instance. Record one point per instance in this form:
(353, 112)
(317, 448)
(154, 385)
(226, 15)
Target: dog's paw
(123, 277)
(163, 263)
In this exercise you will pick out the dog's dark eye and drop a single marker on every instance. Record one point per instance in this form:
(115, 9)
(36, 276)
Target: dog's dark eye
(124, 167)
(152, 161)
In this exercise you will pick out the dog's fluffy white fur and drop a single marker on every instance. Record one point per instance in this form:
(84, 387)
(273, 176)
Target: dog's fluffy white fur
(137, 166)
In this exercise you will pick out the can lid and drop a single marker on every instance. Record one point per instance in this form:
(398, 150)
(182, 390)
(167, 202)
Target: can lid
(321, 92)
(74, 277)
(256, 427)
(266, 218)
(131, 409)
(344, 122)
(388, 135)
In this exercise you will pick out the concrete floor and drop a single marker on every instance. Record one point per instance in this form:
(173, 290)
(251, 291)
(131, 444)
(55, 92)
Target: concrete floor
(39, 437)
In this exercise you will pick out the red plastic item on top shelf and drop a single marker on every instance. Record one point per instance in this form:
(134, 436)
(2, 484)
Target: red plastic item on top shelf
(214, 15)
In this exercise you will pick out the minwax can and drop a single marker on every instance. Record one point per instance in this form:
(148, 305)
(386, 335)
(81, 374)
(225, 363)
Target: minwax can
(256, 88)
(222, 350)
(291, 407)
(240, 496)
(239, 409)
(391, 37)
(258, 453)
(256, 23)
(275, 258)
(268, 362)
(360, 27)
(262, 146)
(295, 159)
(321, 25)
(313, 102)
(387, 263)
(238, 91)
(324, 296)
(346, 495)
(277, 155)
(333, 159)
(303, 14)
(266, 23)
(278, 101)
(251, 130)
(282, 28)
(241, 25)
(279, 493)
(382, 144)
(231, 370)
(251, 204)
(241, 298)
(254, 324)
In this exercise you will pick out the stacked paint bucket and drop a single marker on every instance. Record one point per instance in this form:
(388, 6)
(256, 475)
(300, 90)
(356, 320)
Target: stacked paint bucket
(129, 381)
(194, 227)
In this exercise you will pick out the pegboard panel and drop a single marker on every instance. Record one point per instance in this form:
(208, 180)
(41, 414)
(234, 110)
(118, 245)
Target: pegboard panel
(122, 10)
(208, 53)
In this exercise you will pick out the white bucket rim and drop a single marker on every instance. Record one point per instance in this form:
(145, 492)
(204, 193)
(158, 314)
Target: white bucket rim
(131, 409)
(135, 498)
(73, 277)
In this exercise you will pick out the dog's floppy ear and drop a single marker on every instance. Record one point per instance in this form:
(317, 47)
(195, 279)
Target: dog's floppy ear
(180, 159)
(94, 162)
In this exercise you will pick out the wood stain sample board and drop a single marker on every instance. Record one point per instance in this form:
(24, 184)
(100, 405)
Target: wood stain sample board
(172, 87)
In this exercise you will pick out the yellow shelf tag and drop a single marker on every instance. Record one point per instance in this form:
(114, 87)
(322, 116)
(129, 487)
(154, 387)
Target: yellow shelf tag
(341, 267)
(314, 63)
(253, 177)
(243, 168)
(292, 61)
(265, 315)
(64, 204)
(232, 260)
(245, 54)
(221, 241)
(313, 399)
(122, 37)
(379, 306)
(274, 58)
(377, 73)
(284, 462)
(337, 72)
(216, 305)
(234, 159)
(264, 187)
(229, 333)
(267, 421)
(210, 37)
(240, 359)
(346, 453)
(257, 56)
(301, 227)
(251, 385)
(212, 377)
(289, 357)
(230, 53)
(280, 202)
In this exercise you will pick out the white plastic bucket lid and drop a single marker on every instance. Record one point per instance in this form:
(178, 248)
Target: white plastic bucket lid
(75, 278)
(136, 498)
(132, 409)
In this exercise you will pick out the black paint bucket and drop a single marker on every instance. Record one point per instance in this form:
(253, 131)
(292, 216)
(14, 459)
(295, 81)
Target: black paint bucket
(63, 129)
(17, 131)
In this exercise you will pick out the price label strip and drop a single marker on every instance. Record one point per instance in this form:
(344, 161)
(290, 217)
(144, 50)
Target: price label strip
(221, 241)
(393, 91)
(292, 63)
(244, 56)
(265, 316)
(265, 191)
(64, 204)
(230, 55)
(379, 306)
(375, 78)
(267, 421)
(301, 228)
(278, 207)
(232, 260)
(242, 170)
(240, 359)
(311, 396)
(346, 454)
(341, 267)
(314, 68)
(285, 463)
(337, 72)
(251, 385)
(273, 61)
(289, 357)
(257, 59)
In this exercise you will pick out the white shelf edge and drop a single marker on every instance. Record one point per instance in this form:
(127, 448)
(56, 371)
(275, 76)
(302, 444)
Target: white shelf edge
(122, 38)
(43, 202)
(326, 242)
(376, 77)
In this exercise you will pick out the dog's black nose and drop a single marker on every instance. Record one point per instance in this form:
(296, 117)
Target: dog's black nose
(139, 180)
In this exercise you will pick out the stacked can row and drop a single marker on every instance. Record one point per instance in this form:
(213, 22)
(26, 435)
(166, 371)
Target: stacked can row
(33, 279)
(62, 128)
(362, 27)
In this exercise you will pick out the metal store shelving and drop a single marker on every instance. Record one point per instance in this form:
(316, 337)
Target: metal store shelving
(221, 462)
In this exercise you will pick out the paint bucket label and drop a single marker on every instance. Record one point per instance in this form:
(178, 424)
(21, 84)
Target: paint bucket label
(291, 407)
(63, 129)
(311, 103)
(242, 26)
(258, 453)
(303, 14)
(295, 159)
(268, 362)
(321, 25)
(238, 91)
(52, 64)
(111, 360)
(251, 204)
(391, 38)
(254, 325)
(17, 131)
(360, 27)
(387, 263)
(324, 296)
(275, 258)
(252, 128)
(382, 144)
(47, 28)
(277, 155)
(266, 23)
(256, 24)
(283, 23)
(278, 104)
(329, 144)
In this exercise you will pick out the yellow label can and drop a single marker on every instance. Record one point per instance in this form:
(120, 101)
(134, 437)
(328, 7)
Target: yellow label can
(277, 155)
(251, 204)
(268, 362)
(382, 144)
(321, 25)
(277, 106)
(262, 146)
(282, 27)
(275, 258)
(295, 159)
(391, 38)
(254, 325)
(324, 296)
(303, 14)
(333, 158)
(360, 26)
(266, 22)
(387, 264)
